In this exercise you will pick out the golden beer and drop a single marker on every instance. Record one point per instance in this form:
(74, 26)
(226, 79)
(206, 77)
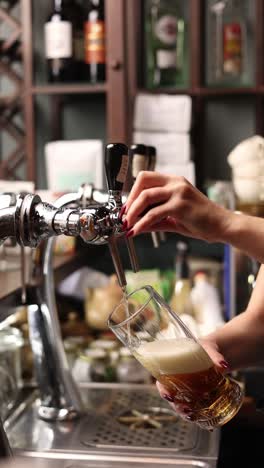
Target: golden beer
(186, 370)
(165, 346)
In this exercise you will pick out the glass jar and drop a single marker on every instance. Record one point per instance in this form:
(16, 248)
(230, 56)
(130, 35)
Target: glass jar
(129, 370)
(11, 342)
(101, 366)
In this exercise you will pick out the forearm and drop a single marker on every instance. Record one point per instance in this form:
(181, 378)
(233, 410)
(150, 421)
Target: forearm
(241, 340)
(245, 233)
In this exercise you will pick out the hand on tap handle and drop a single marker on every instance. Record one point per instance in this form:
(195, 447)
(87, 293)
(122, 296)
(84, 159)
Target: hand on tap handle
(172, 204)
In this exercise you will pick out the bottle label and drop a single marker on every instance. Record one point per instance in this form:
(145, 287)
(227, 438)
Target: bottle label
(94, 42)
(166, 30)
(166, 59)
(139, 164)
(122, 174)
(58, 39)
(232, 49)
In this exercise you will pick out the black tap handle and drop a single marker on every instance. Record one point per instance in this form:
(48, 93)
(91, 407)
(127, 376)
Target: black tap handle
(152, 154)
(116, 165)
(139, 159)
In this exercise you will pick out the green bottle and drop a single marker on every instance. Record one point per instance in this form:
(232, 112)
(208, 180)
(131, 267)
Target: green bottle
(165, 32)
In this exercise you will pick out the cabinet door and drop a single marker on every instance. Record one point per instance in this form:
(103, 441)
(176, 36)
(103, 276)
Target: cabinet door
(116, 71)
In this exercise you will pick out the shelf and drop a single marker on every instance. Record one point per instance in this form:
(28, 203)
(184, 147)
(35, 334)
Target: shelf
(75, 88)
(206, 92)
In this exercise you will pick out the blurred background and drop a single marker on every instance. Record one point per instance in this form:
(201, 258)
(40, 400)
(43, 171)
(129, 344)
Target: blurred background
(185, 76)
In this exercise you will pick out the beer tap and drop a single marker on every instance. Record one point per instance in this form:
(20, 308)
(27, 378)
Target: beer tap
(116, 168)
(34, 223)
(142, 160)
(152, 157)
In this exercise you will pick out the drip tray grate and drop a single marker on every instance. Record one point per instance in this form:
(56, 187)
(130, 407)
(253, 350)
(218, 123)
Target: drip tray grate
(110, 428)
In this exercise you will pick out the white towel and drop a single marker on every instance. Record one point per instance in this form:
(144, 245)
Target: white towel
(186, 170)
(171, 147)
(249, 150)
(163, 113)
(16, 186)
(72, 163)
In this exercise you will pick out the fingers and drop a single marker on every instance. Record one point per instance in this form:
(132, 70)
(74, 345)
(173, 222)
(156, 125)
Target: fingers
(152, 217)
(168, 224)
(217, 358)
(145, 180)
(147, 200)
(182, 409)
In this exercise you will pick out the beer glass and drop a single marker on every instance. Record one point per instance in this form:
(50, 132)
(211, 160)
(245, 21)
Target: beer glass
(163, 344)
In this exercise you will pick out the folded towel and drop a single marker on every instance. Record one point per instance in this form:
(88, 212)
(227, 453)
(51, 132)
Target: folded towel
(249, 150)
(186, 170)
(163, 113)
(16, 186)
(72, 163)
(171, 148)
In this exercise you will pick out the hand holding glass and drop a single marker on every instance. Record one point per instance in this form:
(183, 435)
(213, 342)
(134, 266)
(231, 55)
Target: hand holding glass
(159, 339)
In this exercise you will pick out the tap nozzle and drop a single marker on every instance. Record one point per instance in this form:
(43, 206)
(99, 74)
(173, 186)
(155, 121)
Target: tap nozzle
(117, 164)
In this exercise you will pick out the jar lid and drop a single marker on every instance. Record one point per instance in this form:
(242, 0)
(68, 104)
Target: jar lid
(10, 338)
(95, 353)
(106, 345)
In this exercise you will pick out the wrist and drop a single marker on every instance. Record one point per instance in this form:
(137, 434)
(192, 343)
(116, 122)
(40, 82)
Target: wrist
(232, 227)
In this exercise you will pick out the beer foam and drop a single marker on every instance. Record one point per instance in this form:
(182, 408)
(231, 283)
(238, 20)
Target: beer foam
(173, 356)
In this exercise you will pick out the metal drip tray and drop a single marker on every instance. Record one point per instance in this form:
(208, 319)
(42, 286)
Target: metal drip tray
(103, 432)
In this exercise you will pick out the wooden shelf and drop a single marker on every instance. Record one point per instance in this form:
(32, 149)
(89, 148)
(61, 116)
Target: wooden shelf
(74, 88)
(206, 91)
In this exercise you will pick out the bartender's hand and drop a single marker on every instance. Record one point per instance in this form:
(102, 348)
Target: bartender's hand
(184, 410)
(172, 204)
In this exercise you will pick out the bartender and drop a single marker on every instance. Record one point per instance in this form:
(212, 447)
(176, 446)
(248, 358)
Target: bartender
(172, 204)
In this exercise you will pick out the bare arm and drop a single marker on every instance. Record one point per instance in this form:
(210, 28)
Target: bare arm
(172, 204)
(241, 340)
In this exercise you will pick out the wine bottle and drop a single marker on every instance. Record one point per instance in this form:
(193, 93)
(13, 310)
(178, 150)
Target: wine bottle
(75, 11)
(165, 34)
(95, 51)
(58, 44)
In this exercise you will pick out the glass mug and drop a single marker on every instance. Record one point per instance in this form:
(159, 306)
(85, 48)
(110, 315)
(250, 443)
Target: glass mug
(163, 344)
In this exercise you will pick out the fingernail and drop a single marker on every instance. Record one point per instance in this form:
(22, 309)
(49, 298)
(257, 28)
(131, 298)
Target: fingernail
(122, 211)
(224, 364)
(124, 226)
(130, 233)
(168, 398)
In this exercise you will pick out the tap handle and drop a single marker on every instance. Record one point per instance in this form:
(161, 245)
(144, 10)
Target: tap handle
(116, 165)
(152, 154)
(139, 159)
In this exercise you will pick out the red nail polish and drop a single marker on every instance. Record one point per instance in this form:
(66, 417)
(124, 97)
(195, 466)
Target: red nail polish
(124, 226)
(224, 364)
(130, 233)
(122, 211)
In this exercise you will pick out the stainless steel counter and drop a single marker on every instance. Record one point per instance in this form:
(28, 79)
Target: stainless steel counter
(99, 439)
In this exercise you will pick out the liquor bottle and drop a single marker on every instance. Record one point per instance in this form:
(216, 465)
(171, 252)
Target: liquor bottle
(75, 11)
(233, 39)
(58, 44)
(94, 37)
(165, 33)
(228, 54)
(181, 298)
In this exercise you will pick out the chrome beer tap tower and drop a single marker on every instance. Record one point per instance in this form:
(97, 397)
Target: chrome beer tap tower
(91, 214)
